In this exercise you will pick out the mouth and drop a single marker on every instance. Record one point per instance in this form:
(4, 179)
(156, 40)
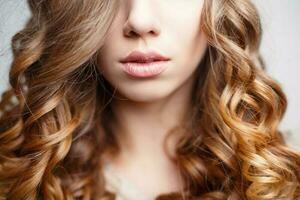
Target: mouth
(140, 64)
(146, 69)
(140, 57)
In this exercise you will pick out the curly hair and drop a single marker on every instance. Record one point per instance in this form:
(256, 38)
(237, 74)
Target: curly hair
(56, 117)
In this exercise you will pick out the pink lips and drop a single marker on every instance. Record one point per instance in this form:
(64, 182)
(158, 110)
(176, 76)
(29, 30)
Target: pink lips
(137, 56)
(140, 64)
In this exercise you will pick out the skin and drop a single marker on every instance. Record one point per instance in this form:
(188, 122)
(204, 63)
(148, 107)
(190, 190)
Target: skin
(146, 108)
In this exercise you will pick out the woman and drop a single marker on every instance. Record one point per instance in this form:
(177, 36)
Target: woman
(138, 99)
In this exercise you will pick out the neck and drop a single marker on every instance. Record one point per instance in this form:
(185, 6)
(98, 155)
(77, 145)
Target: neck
(141, 127)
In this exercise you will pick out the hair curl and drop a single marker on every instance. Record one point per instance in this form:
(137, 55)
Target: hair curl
(51, 138)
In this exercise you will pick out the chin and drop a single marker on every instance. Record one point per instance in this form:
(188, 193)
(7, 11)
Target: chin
(144, 95)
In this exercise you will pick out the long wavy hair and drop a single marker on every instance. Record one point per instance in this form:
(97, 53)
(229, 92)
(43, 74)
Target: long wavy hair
(56, 116)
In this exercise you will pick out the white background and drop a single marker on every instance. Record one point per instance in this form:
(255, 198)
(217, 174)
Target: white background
(280, 48)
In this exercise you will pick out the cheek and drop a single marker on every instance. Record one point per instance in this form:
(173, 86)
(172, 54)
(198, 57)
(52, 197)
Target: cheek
(107, 54)
(191, 49)
(190, 43)
(104, 63)
(187, 17)
(184, 27)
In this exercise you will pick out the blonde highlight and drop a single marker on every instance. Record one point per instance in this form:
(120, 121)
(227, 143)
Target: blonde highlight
(52, 139)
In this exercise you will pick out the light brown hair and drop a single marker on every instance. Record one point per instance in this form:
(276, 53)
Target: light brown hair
(56, 117)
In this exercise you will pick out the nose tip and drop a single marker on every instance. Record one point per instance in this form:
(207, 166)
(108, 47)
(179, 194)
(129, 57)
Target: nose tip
(141, 21)
(142, 30)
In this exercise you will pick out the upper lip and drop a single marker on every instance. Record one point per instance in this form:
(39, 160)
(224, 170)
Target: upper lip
(137, 56)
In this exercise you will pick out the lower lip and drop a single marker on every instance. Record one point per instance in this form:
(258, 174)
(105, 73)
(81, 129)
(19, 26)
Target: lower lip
(144, 69)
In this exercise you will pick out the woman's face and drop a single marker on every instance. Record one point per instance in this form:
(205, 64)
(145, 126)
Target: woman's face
(170, 28)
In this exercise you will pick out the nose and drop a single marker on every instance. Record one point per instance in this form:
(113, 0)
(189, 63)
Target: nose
(141, 19)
